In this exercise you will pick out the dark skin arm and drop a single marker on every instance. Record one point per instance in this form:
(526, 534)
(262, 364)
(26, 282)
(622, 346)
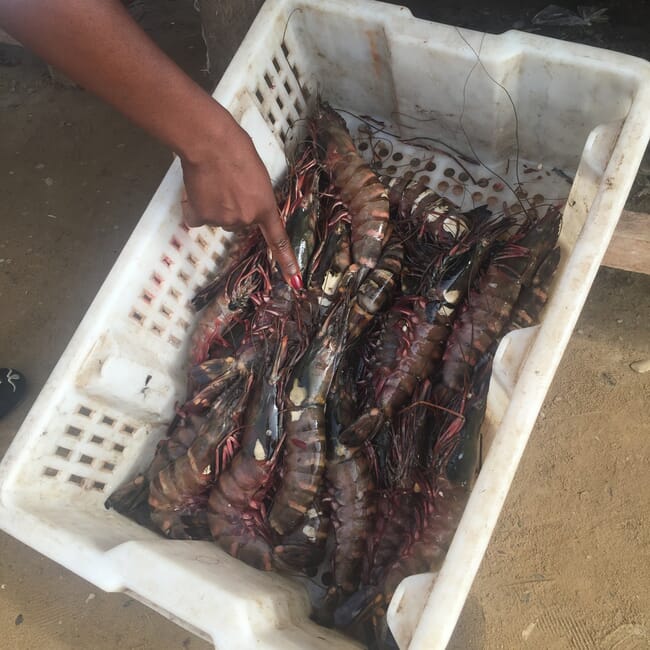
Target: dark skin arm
(98, 45)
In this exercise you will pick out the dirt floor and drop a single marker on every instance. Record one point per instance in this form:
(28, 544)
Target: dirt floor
(569, 564)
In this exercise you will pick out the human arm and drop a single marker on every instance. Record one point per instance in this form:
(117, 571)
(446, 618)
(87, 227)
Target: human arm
(98, 45)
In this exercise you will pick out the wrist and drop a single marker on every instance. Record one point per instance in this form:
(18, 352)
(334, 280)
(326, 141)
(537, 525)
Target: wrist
(205, 131)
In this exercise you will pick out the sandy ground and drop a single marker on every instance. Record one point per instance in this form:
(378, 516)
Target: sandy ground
(569, 564)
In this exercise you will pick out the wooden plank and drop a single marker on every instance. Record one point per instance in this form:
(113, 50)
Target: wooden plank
(629, 248)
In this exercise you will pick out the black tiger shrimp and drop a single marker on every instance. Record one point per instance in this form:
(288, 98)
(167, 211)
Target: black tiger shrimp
(332, 432)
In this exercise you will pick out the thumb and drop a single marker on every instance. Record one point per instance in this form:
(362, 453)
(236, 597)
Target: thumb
(277, 239)
(189, 215)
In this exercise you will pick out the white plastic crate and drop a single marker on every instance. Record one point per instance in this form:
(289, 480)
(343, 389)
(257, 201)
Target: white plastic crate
(581, 113)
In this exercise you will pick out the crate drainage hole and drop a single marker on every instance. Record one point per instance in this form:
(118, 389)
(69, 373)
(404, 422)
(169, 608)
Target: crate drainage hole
(136, 316)
(73, 431)
(63, 452)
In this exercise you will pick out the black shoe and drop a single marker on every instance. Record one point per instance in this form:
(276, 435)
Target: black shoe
(12, 389)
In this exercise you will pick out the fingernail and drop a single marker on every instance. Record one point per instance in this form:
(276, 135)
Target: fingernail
(296, 282)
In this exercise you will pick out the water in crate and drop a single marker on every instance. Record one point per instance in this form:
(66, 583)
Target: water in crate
(333, 432)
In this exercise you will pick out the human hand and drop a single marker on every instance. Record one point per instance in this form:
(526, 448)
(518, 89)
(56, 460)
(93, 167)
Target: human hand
(227, 185)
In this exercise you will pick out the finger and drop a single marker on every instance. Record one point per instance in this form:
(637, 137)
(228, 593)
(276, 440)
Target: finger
(278, 241)
(189, 215)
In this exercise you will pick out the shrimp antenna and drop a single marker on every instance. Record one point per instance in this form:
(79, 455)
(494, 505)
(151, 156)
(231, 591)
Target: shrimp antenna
(516, 117)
